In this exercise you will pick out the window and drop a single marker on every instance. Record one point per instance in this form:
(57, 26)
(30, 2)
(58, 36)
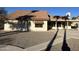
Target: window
(38, 25)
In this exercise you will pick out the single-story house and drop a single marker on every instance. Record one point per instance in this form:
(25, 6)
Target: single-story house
(26, 20)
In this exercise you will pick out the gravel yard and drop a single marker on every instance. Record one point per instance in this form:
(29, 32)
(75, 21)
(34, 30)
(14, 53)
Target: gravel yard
(25, 39)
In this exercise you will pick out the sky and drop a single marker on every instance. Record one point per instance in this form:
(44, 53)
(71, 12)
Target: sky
(51, 10)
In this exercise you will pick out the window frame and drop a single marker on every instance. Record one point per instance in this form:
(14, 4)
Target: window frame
(39, 25)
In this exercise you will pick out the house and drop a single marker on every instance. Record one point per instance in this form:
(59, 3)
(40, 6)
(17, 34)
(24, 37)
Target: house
(26, 20)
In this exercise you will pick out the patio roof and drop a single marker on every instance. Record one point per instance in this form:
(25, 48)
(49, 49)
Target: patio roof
(58, 18)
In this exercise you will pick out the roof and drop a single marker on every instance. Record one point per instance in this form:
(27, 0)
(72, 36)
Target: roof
(40, 15)
(18, 13)
(37, 15)
(58, 18)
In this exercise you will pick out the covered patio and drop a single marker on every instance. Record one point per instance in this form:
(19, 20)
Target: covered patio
(60, 25)
(59, 22)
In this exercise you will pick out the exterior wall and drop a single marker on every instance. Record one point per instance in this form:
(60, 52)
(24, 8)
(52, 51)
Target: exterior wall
(7, 26)
(78, 26)
(33, 28)
(68, 27)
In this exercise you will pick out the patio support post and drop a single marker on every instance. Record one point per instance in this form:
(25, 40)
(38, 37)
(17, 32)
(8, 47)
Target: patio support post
(61, 25)
(56, 24)
(67, 25)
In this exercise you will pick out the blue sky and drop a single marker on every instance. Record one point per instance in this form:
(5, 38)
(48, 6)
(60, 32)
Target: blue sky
(51, 10)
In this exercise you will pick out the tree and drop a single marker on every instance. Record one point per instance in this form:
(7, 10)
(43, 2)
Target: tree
(3, 14)
(73, 18)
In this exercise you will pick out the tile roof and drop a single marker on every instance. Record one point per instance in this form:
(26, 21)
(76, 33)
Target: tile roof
(40, 15)
(18, 13)
(37, 15)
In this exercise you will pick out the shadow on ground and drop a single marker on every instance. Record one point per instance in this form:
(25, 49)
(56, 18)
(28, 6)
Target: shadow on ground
(51, 42)
(9, 33)
(8, 41)
(65, 46)
(4, 41)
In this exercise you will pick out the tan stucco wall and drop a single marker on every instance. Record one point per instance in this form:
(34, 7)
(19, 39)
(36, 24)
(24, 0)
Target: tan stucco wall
(7, 26)
(13, 21)
(33, 28)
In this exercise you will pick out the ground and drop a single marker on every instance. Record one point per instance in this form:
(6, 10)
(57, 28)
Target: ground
(24, 40)
(44, 41)
(71, 42)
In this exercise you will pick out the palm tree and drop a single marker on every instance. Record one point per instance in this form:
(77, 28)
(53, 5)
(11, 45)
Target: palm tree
(65, 18)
